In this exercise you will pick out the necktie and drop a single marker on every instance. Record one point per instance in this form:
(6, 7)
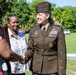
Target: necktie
(44, 28)
(43, 31)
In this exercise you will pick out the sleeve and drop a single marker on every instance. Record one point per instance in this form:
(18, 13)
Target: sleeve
(1, 36)
(30, 48)
(61, 52)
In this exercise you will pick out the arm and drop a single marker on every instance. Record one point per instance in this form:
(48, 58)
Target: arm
(61, 53)
(6, 53)
(29, 53)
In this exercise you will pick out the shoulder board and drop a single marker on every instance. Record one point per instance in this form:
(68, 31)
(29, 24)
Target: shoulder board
(58, 26)
(34, 26)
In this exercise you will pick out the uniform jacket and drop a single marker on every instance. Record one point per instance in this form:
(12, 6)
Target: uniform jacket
(48, 51)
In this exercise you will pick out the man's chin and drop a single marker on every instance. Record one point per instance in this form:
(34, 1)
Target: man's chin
(15, 30)
(39, 22)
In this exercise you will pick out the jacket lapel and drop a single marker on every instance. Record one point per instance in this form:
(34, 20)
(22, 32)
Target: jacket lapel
(39, 31)
(48, 30)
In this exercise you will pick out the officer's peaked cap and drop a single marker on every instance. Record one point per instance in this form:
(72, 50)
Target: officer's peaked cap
(43, 7)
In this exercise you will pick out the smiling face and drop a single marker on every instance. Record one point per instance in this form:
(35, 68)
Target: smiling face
(13, 23)
(42, 18)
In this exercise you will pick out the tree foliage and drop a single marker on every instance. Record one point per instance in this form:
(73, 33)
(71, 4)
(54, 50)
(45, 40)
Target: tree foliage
(65, 15)
(27, 14)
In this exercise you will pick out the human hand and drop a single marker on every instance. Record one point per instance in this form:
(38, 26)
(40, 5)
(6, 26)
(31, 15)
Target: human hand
(24, 61)
(14, 57)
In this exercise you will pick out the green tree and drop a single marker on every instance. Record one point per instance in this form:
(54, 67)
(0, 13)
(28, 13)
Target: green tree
(57, 13)
(27, 14)
(22, 10)
(3, 8)
(65, 15)
(67, 18)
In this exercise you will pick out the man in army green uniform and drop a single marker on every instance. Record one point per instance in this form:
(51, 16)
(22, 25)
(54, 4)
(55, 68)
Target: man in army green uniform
(46, 44)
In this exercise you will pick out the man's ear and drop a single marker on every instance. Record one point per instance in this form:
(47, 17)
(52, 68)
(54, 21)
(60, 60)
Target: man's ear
(47, 16)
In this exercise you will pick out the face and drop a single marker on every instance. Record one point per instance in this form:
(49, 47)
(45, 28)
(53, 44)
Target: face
(42, 18)
(13, 23)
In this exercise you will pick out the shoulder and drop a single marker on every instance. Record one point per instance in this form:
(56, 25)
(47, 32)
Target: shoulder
(57, 26)
(34, 28)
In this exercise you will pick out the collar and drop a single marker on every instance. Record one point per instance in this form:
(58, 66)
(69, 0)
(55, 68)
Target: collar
(10, 33)
(46, 26)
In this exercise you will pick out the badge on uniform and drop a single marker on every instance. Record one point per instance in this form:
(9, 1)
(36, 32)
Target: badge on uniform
(50, 45)
(53, 33)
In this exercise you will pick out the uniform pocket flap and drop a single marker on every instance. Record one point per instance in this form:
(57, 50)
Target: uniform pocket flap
(35, 36)
(52, 57)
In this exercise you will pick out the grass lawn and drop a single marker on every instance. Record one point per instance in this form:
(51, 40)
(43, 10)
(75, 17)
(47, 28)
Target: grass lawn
(71, 67)
(71, 48)
(71, 43)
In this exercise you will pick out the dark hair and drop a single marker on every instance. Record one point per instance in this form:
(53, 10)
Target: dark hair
(8, 19)
(51, 21)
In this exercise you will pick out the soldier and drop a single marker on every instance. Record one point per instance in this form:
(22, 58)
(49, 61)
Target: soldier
(46, 44)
